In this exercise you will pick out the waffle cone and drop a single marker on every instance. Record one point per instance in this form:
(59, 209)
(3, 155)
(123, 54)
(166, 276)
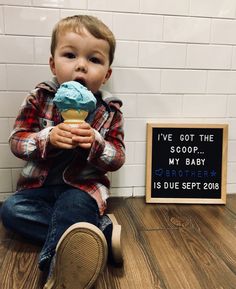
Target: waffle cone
(74, 117)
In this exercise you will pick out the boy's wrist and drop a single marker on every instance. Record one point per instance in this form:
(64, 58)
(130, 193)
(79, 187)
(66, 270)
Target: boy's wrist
(49, 149)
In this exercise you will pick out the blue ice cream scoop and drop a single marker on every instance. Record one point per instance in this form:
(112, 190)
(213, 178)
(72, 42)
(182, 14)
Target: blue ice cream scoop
(73, 95)
(74, 101)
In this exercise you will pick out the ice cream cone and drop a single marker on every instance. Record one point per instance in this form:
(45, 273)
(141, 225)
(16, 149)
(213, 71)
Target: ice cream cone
(74, 117)
(74, 101)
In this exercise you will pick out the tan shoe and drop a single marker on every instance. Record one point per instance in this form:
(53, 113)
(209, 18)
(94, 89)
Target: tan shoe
(116, 248)
(81, 255)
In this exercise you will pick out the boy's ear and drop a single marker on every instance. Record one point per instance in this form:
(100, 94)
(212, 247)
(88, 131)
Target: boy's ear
(109, 72)
(52, 65)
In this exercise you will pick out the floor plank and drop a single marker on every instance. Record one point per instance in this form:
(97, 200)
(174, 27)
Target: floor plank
(18, 260)
(138, 270)
(231, 203)
(166, 246)
(20, 270)
(186, 261)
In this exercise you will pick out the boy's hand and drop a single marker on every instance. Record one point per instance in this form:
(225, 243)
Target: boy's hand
(66, 137)
(83, 136)
(61, 137)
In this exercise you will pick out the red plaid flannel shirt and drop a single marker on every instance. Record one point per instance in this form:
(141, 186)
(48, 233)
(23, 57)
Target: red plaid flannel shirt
(29, 141)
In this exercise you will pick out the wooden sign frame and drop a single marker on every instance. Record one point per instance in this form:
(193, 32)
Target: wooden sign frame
(167, 185)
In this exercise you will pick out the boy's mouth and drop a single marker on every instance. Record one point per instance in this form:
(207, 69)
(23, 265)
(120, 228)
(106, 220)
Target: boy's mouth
(81, 81)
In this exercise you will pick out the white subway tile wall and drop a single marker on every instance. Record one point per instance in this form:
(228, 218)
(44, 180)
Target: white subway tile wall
(29, 21)
(1, 21)
(186, 29)
(208, 56)
(164, 7)
(223, 31)
(157, 54)
(10, 103)
(4, 125)
(71, 4)
(114, 5)
(16, 49)
(213, 8)
(41, 49)
(3, 77)
(175, 62)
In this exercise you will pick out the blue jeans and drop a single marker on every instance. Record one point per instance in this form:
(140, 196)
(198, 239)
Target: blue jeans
(43, 214)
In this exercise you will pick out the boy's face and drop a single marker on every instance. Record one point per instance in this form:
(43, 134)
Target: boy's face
(81, 57)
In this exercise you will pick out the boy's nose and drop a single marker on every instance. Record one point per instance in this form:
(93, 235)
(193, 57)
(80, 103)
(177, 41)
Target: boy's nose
(81, 65)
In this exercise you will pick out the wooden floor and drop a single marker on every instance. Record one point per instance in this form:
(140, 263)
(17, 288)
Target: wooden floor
(165, 247)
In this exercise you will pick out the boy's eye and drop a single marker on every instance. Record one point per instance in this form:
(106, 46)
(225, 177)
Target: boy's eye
(95, 60)
(69, 55)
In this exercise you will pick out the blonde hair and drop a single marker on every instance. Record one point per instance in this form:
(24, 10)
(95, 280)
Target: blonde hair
(94, 26)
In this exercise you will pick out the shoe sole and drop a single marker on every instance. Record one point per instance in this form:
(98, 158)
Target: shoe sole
(116, 241)
(81, 257)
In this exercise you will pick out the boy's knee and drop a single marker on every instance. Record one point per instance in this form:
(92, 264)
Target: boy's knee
(9, 211)
(76, 198)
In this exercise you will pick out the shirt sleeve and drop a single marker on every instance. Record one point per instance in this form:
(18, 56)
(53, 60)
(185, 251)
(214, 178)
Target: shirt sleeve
(108, 153)
(28, 140)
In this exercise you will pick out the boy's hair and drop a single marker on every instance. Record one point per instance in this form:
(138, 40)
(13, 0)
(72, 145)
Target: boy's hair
(94, 26)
